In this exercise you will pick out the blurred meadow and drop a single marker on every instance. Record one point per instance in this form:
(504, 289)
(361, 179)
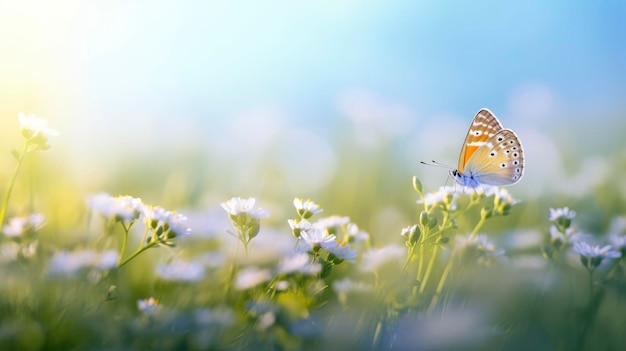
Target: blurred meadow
(189, 104)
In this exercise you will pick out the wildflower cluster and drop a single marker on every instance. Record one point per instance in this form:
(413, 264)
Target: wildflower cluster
(438, 218)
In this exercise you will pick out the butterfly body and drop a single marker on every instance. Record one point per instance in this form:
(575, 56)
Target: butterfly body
(491, 155)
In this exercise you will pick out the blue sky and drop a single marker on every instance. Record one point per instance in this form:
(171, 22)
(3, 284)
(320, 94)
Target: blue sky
(217, 58)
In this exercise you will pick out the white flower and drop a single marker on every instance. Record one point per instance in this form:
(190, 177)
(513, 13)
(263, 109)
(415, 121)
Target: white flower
(591, 256)
(121, 208)
(149, 306)
(503, 197)
(355, 234)
(331, 222)
(618, 225)
(178, 224)
(618, 241)
(237, 206)
(18, 225)
(481, 248)
(299, 263)
(341, 251)
(181, 271)
(446, 195)
(408, 231)
(595, 251)
(316, 237)
(307, 208)
(35, 127)
(375, 258)
(251, 277)
(68, 263)
(299, 226)
(174, 224)
(558, 213)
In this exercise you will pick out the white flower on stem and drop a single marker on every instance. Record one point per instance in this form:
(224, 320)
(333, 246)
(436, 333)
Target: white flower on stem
(70, 263)
(36, 130)
(618, 242)
(445, 196)
(341, 251)
(181, 271)
(565, 212)
(178, 224)
(149, 306)
(331, 222)
(19, 225)
(377, 257)
(237, 206)
(166, 224)
(480, 248)
(306, 208)
(299, 263)
(298, 226)
(355, 234)
(119, 208)
(250, 277)
(246, 219)
(591, 256)
(317, 238)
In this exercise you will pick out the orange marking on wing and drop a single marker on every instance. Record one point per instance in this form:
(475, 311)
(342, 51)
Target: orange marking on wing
(469, 151)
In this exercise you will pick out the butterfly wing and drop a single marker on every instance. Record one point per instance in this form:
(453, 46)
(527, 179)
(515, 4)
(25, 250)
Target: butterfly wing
(498, 161)
(484, 126)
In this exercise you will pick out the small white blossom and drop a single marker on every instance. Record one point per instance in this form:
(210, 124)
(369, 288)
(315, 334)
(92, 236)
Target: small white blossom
(557, 213)
(591, 256)
(618, 241)
(174, 224)
(341, 251)
(69, 263)
(595, 251)
(299, 226)
(331, 222)
(251, 277)
(237, 206)
(34, 127)
(178, 224)
(181, 271)
(377, 257)
(121, 208)
(481, 247)
(299, 263)
(18, 225)
(446, 195)
(149, 306)
(355, 234)
(407, 231)
(316, 237)
(307, 208)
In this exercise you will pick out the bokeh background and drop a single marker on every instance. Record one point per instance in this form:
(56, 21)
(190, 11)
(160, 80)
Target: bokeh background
(186, 104)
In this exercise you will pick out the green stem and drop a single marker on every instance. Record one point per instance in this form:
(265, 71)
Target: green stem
(124, 243)
(429, 268)
(480, 223)
(136, 253)
(581, 335)
(442, 282)
(5, 203)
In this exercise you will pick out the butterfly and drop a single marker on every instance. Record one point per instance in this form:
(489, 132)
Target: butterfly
(491, 155)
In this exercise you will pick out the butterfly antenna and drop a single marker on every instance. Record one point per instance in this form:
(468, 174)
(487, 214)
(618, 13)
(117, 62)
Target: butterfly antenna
(435, 164)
